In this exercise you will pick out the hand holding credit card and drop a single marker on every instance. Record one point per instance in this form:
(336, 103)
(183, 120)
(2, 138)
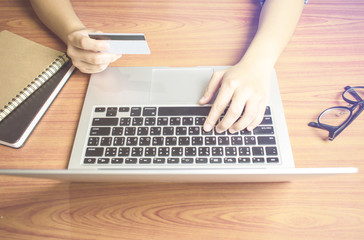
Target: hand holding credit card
(124, 43)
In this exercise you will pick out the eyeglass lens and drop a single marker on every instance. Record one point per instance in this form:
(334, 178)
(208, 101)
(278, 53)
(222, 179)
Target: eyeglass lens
(355, 94)
(335, 116)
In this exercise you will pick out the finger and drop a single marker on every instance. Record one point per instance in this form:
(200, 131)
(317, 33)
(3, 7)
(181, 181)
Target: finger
(212, 87)
(259, 117)
(90, 68)
(233, 114)
(83, 41)
(251, 113)
(95, 58)
(217, 108)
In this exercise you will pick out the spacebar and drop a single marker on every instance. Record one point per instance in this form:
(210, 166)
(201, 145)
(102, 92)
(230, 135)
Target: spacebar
(184, 111)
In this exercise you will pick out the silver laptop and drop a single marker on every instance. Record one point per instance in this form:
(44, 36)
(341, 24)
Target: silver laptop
(142, 124)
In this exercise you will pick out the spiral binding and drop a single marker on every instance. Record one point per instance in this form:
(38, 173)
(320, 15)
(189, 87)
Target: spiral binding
(33, 85)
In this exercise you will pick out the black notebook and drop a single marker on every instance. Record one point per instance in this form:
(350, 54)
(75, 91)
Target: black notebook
(17, 126)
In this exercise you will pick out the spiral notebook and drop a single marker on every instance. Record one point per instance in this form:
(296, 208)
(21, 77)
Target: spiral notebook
(30, 78)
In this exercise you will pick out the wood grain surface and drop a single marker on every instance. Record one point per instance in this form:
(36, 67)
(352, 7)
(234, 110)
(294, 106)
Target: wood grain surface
(325, 54)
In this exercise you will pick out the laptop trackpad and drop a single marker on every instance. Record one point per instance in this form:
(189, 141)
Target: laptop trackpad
(179, 86)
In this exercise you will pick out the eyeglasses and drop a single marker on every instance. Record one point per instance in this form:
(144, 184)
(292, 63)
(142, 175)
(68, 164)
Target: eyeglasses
(336, 119)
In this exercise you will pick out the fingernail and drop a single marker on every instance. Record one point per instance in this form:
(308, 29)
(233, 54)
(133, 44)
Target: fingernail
(232, 131)
(207, 127)
(250, 128)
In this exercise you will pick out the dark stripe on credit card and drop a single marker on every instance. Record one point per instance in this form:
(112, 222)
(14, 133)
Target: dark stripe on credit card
(118, 37)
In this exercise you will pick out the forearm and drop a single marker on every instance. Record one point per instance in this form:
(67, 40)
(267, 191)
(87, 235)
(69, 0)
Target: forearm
(277, 22)
(58, 16)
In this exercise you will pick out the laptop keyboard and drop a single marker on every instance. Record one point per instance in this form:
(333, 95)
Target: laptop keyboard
(167, 135)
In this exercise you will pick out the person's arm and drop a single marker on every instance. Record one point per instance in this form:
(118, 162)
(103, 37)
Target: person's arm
(86, 53)
(246, 85)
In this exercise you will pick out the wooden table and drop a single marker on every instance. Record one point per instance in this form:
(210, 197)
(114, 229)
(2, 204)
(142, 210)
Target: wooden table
(325, 54)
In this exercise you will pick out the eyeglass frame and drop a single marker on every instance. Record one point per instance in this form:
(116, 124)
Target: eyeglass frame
(334, 131)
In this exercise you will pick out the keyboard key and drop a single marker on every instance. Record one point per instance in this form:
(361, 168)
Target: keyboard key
(138, 121)
(267, 111)
(106, 141)
(89, 160)
(230, 151)
(131, 160)
(244, 151)
(117, 160)
(155, 131)
(110, 151)
(125, 121)
(190, 151)
(177, 151)
(199, 121)
(187, 160)
(217, 151)
(137, 151)
(130, 131)
(201, 160)
(258, 160)
(145, 160)
(183, 141)
(171, 141)
(194, 130)
(105, 122)
(124, 152)
(266, 121)
(103, 160)
(250, 140)
(258, 151)
(100, 131)
(149, 121)
(136, 111)
(260, 130)
(266, 140)
(163, 151)
(162, 121)
(243, 160)
(158, 141)
(111, 111)
(124, 109)
(94, 152)
(236, 140)
(203, 151)
(271, 151)
(197, 141)
(149, 111)
(272, 160)
(210, 140)
(93, 141)
(100, 109)
(173, 121)
(142, 131)
(119, 141)
(144, 141)
(173, 160)
(168, 131)
(215, 160)
(181, 131)
(229, 160)
(150, 151)
(117, 131)
(159, 160)
(131, 141)
(223, 140)
(187, 121)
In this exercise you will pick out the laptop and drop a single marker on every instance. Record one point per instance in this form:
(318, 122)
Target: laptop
(143, 124)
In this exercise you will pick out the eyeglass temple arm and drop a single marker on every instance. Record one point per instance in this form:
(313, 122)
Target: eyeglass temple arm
(353, 93)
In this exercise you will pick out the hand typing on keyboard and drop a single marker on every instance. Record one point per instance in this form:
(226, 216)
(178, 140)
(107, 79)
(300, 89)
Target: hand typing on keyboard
(246, 89)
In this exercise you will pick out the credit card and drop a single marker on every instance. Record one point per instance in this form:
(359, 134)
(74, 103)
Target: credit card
(124, 43)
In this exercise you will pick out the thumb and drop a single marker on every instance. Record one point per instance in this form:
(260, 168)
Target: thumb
(212, 87)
